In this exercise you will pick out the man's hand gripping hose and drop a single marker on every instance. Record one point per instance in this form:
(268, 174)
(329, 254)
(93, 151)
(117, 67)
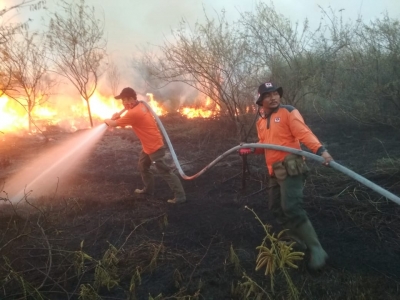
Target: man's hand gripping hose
(115, 116)
(318, 158)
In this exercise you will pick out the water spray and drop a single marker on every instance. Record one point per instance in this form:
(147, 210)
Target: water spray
(43, 175)
(318, 158)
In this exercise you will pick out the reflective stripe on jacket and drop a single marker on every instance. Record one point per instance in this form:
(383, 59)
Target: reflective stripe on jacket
(285, 127)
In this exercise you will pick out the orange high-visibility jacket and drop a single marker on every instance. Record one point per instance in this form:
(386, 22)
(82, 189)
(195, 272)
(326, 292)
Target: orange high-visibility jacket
(285, 127)
(144, 126)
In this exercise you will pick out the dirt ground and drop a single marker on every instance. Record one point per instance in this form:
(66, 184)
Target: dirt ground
(94, 239)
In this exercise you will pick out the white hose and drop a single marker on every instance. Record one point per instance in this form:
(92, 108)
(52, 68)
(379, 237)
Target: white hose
(332, 164)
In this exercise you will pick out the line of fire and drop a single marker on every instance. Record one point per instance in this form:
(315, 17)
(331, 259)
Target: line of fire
(74, 116)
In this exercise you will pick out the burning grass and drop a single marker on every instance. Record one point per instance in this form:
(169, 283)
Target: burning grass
(71, 115)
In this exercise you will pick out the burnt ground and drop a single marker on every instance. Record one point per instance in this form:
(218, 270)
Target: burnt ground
(93, 239)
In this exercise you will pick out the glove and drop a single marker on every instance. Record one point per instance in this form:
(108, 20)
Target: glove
(245, 151)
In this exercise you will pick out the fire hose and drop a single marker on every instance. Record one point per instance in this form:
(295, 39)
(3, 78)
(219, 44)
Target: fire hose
(317, 158)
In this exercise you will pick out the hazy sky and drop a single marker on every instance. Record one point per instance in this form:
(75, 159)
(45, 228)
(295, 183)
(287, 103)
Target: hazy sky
(130, 24)
(133, 22)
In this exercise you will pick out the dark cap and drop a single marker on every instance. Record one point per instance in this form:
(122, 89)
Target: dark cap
(266, 88)
(126, 93)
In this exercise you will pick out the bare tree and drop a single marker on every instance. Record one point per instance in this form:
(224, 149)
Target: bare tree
(76, 40)
(369, 75)
(213, 58)
(7, 30)
(24, 55)
(5, 77)
(113, 77)
(293, 53)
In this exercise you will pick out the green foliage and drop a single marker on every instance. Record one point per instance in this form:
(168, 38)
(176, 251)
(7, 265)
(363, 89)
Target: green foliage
(178, 296)
(163, 222)
(248, 289)
(157, 250)
(388, 165)
(87, 292)
(342, 69)
(278, 256)
(80, 259)
(234, 259)
(362, 80)
(28, 290)
(287, 50)
(158, 297)
(136, 280)
(106, 270)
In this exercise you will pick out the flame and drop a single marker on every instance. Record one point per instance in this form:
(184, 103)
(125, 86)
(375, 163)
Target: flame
(44, 112)
(157, 108)
(102, 107)
(10, 115)
(206, 110)
(69, 114)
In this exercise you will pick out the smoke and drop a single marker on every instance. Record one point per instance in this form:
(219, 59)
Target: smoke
(132, 25)
(150, 24)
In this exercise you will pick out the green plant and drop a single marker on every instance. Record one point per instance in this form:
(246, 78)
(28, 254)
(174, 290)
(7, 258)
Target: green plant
(135, 280)
(278, 256)
(387, 164)
(163, 222)
(28, 290)
(157, 250)
(80, 258)
(87, 292)
(178, 296)
(234, 259)
(106, 271)
(249, 289)
(158, 297)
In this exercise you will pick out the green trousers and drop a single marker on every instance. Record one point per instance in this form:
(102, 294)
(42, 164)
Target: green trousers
(157, 159)
(285, 200)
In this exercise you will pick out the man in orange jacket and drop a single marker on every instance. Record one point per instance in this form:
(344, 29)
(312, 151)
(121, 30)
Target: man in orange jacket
(284, 126)
(145, 127)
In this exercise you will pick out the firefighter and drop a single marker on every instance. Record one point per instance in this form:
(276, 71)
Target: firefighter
(153, 150)
(283, 125)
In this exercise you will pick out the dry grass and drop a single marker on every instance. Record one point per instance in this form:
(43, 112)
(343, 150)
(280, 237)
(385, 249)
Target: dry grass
(94, 238)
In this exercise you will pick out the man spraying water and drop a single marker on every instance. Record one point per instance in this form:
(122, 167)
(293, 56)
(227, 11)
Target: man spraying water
(145, 127)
